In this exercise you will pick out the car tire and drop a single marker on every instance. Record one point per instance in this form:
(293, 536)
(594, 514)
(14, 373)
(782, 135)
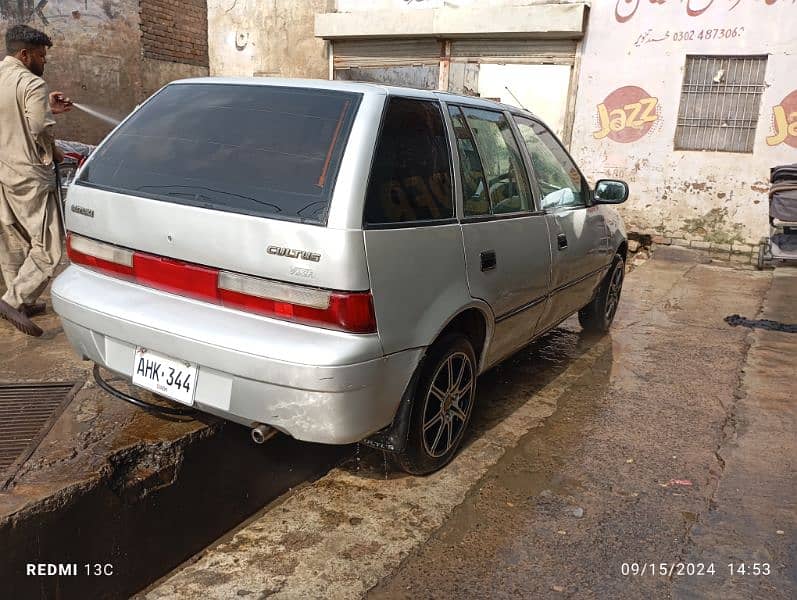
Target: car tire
(442, 406)
(597, 316)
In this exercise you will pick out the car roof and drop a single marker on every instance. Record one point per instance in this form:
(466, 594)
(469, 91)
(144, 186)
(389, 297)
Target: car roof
(357, 87)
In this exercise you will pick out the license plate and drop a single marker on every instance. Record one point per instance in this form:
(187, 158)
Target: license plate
(169, 377)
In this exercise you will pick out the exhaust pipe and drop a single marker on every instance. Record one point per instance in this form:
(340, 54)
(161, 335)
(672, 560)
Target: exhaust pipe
(262, 433)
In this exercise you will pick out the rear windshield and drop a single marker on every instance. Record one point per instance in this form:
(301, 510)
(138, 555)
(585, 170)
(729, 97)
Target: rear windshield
(259, 150)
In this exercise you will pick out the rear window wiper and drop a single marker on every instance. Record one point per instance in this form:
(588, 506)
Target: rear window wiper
(196, 196)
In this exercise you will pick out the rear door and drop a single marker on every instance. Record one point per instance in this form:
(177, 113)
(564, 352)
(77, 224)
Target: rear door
(578, 233)
(507, 251)
(412, 237)
(234, 176)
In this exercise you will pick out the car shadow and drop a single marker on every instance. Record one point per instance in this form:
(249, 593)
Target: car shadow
(512, 383)
(501, 391)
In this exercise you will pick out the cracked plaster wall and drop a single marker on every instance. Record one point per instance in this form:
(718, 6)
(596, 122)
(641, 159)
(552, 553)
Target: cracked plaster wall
(714, 196)
(273, 38)
(96, 58)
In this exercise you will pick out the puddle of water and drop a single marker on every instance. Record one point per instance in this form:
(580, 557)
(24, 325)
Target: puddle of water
(533, 483)
(690, 518)
(528, 475)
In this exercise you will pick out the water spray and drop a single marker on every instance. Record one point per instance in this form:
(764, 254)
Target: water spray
(95, 113)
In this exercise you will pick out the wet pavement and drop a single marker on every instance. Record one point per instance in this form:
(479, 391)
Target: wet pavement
(93, 434)
(660, 456)
(669, 442)
(134, 493)
(136, 529)
(752, 517)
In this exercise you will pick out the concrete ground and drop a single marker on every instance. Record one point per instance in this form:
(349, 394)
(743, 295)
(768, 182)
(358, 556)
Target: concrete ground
(671, 441)
(666, 446)
(94, 433)
(111, 483)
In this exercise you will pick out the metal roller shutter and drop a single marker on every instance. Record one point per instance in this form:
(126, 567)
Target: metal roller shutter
(551, 52)
(383, 53)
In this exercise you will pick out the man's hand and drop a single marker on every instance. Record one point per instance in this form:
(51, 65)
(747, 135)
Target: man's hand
(58, 155)
(59, 103)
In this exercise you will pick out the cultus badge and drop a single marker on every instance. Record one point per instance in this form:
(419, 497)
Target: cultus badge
(294, 253)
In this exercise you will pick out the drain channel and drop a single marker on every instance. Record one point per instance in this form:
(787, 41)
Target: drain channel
(27, 413)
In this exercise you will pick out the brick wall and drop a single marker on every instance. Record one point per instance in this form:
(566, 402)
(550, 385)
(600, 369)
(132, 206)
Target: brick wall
(175, 31)
(95, 58)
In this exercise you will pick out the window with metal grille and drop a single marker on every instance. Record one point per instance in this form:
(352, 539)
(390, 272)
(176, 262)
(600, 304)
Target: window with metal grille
(720, 99)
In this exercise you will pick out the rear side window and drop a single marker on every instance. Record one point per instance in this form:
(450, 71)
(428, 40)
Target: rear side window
(411, 173)
(259, 150)
(475, 199)
(507, 183)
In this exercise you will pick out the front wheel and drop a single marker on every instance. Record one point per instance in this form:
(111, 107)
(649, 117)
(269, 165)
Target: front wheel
(442, 406)
(597, 316)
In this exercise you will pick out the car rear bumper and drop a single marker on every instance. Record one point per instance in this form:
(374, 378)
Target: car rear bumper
(314, 384)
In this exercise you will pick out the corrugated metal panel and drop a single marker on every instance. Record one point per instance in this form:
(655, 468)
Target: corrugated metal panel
(423, 77)
(463, 78)
(555, 52)
(385, 53)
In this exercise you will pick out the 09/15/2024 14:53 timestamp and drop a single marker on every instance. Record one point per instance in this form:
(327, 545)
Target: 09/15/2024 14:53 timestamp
(689, 569)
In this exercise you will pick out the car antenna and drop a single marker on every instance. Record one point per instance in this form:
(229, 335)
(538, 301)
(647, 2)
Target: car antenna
(515, 97)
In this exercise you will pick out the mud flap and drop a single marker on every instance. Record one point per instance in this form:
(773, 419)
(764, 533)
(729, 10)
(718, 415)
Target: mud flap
(393, 438)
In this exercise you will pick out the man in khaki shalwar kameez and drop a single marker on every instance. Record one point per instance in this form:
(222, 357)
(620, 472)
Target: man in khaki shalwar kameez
(30, 227)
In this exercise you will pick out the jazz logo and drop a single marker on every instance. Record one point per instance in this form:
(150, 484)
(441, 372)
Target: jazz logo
(784, 122)
(626, 115)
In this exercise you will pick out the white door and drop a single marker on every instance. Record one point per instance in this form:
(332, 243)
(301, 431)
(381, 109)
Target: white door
(542, 89)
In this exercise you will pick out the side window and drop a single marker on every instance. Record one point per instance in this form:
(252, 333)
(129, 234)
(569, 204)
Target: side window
(474, 186)
(507, 183)
(411, 174)
(560, 182)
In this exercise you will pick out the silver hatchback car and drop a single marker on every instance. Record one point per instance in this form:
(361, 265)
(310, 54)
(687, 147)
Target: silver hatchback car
(334, 260)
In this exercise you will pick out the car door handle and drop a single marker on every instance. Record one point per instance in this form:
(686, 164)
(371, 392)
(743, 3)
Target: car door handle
(561, 241)
(488, 260)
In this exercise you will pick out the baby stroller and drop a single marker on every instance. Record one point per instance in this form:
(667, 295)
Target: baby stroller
(782, 242)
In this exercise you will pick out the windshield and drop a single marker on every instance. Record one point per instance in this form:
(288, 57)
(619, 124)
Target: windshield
(252, 149)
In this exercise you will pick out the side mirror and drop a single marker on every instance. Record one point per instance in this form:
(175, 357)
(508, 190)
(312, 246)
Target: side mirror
(610, 191)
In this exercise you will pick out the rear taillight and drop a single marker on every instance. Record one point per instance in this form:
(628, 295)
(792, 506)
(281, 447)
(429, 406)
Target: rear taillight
(176, 276)
(103, 257)
(353, 312)
(346, 311)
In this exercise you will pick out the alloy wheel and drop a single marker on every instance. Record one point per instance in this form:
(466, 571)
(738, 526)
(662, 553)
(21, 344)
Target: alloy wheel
(448, 404)
(613, 293)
